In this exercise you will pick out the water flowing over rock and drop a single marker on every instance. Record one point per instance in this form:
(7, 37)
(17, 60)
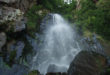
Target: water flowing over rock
(58, 48)
(53, 68)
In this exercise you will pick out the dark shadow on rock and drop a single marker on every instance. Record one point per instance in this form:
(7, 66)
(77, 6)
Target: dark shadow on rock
(58, 73)
(87, 63)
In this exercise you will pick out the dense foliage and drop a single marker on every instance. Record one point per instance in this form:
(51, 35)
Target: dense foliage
(58, 6)
(95, 17)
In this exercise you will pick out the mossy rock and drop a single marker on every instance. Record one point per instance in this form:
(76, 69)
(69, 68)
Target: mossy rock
(12, 57)
(34, 72)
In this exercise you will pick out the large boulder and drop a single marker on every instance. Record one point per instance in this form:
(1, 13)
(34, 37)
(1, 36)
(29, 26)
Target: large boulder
(87, 63)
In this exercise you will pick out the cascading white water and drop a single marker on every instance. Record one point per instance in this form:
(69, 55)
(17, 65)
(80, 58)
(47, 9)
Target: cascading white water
(59, 47)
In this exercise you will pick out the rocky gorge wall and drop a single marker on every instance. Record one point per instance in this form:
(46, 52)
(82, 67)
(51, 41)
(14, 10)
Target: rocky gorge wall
(13, 28)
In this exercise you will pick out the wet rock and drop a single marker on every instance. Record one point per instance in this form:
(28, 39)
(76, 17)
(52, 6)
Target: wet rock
(85, 63)
(92, 44)
(53, 68)
(2, 40)
(33, 42)
(16, 46)
(15, 70)
(19, 70)
(19, 48)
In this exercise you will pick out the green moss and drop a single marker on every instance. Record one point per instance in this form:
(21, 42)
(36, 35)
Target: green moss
(35, 72)
(35, 16)
(12, 57)
(7, 66)
(95, 17)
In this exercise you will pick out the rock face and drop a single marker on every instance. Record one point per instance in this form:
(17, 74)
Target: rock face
(12, 17)
(23, 5)
(10, 14)
(17, 46)
(20, 25)
(84, 64)
(15, 70)
(12, 27)
(8, 1)
(92, 44)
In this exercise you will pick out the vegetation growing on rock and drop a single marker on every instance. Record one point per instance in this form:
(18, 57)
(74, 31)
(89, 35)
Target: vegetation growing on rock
(19, 18)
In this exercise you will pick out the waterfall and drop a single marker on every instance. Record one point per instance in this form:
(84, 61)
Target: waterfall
(59, 47)
(68, 1)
